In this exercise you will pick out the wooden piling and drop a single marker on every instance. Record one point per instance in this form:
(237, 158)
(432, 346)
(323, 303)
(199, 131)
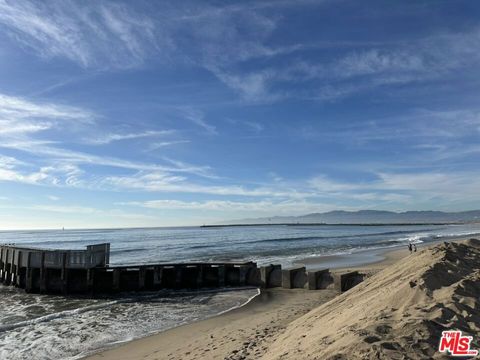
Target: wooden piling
(199, 276)
(18, 268)
(90, 280)
(157, 277)
(64, 274)
(43, 275)
(141, 278)
(221, 276)
(242, 275)
(6, 266)
(29, 274)
(178, 277)
(117, 273)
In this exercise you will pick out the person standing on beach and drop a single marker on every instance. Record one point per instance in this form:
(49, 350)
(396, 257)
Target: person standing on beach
(414, 248)
(410, 247)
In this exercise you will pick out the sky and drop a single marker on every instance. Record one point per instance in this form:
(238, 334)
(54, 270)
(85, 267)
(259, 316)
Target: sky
(172, 113)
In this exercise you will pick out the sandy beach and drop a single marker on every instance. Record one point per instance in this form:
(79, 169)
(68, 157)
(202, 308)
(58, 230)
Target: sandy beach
(398, 309)
(245, 333)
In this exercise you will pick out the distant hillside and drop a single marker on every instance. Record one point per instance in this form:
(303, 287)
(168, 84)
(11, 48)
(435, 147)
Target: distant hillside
(367, 217)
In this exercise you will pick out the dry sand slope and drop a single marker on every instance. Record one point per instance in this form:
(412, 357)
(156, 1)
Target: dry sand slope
(398, 313)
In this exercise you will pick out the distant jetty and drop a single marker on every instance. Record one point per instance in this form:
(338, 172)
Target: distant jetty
(330, 224)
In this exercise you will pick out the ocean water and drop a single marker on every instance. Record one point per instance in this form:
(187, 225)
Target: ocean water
(55, 327)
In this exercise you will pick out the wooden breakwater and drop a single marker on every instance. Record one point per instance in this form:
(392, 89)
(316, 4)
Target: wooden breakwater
(89, 272)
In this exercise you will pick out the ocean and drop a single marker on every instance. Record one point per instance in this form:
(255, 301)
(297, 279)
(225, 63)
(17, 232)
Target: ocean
(56, 327)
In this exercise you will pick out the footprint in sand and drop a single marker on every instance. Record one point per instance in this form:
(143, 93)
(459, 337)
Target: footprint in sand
(383, 329)
(390, 345)
(371, 339)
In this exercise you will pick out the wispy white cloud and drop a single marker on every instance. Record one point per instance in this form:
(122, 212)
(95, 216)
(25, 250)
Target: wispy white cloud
(89, 33)
(228, 48)
(109, 138)
(447, 185)
(382, 198)
(54, 165)
(439, 133)
(107, 34)
(89, 211)
(255, 126)
(198, 118)
(162, 144)
(407, 188)
(160, 182)
(9, 162)
(7, 174)
(222, 38)
(254, 87)
(19, 108)
(14, 170)
(252, 208)
(22, 119)
(204, 171)
(324, 184)
(360, 70)
(66, 156)
(376, 61)
(74, 209)
(13, 127)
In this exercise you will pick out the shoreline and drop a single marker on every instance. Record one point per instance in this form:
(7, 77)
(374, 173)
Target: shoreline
(120, 343)
(251, 327)
(375, 257)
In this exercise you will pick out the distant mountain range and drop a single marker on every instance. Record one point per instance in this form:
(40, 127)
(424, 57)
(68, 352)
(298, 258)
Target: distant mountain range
(367, 217)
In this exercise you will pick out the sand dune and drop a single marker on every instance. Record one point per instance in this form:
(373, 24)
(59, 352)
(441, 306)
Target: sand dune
(398, 313)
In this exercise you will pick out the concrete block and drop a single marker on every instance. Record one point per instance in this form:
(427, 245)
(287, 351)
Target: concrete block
(319, 279)
(294, 277)
(178, 277)
(116, 279)
(90, 280)
(253, 277)
(346, 281)
(242, 277)
(200, 276)
(221, 275)
(271, 276)
(157, 276)
(141, 278)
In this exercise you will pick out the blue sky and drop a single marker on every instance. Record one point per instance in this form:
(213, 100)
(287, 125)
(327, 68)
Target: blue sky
(153, 113)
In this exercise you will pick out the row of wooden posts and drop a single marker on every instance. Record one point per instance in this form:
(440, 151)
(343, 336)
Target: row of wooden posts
(88, 272)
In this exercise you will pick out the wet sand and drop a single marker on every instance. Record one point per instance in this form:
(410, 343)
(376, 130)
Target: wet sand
(242, 333)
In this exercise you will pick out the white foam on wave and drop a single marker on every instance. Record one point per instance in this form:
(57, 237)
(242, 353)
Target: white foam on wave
(73, 334)
(54, 316)
(459, 234)
(241, 305)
